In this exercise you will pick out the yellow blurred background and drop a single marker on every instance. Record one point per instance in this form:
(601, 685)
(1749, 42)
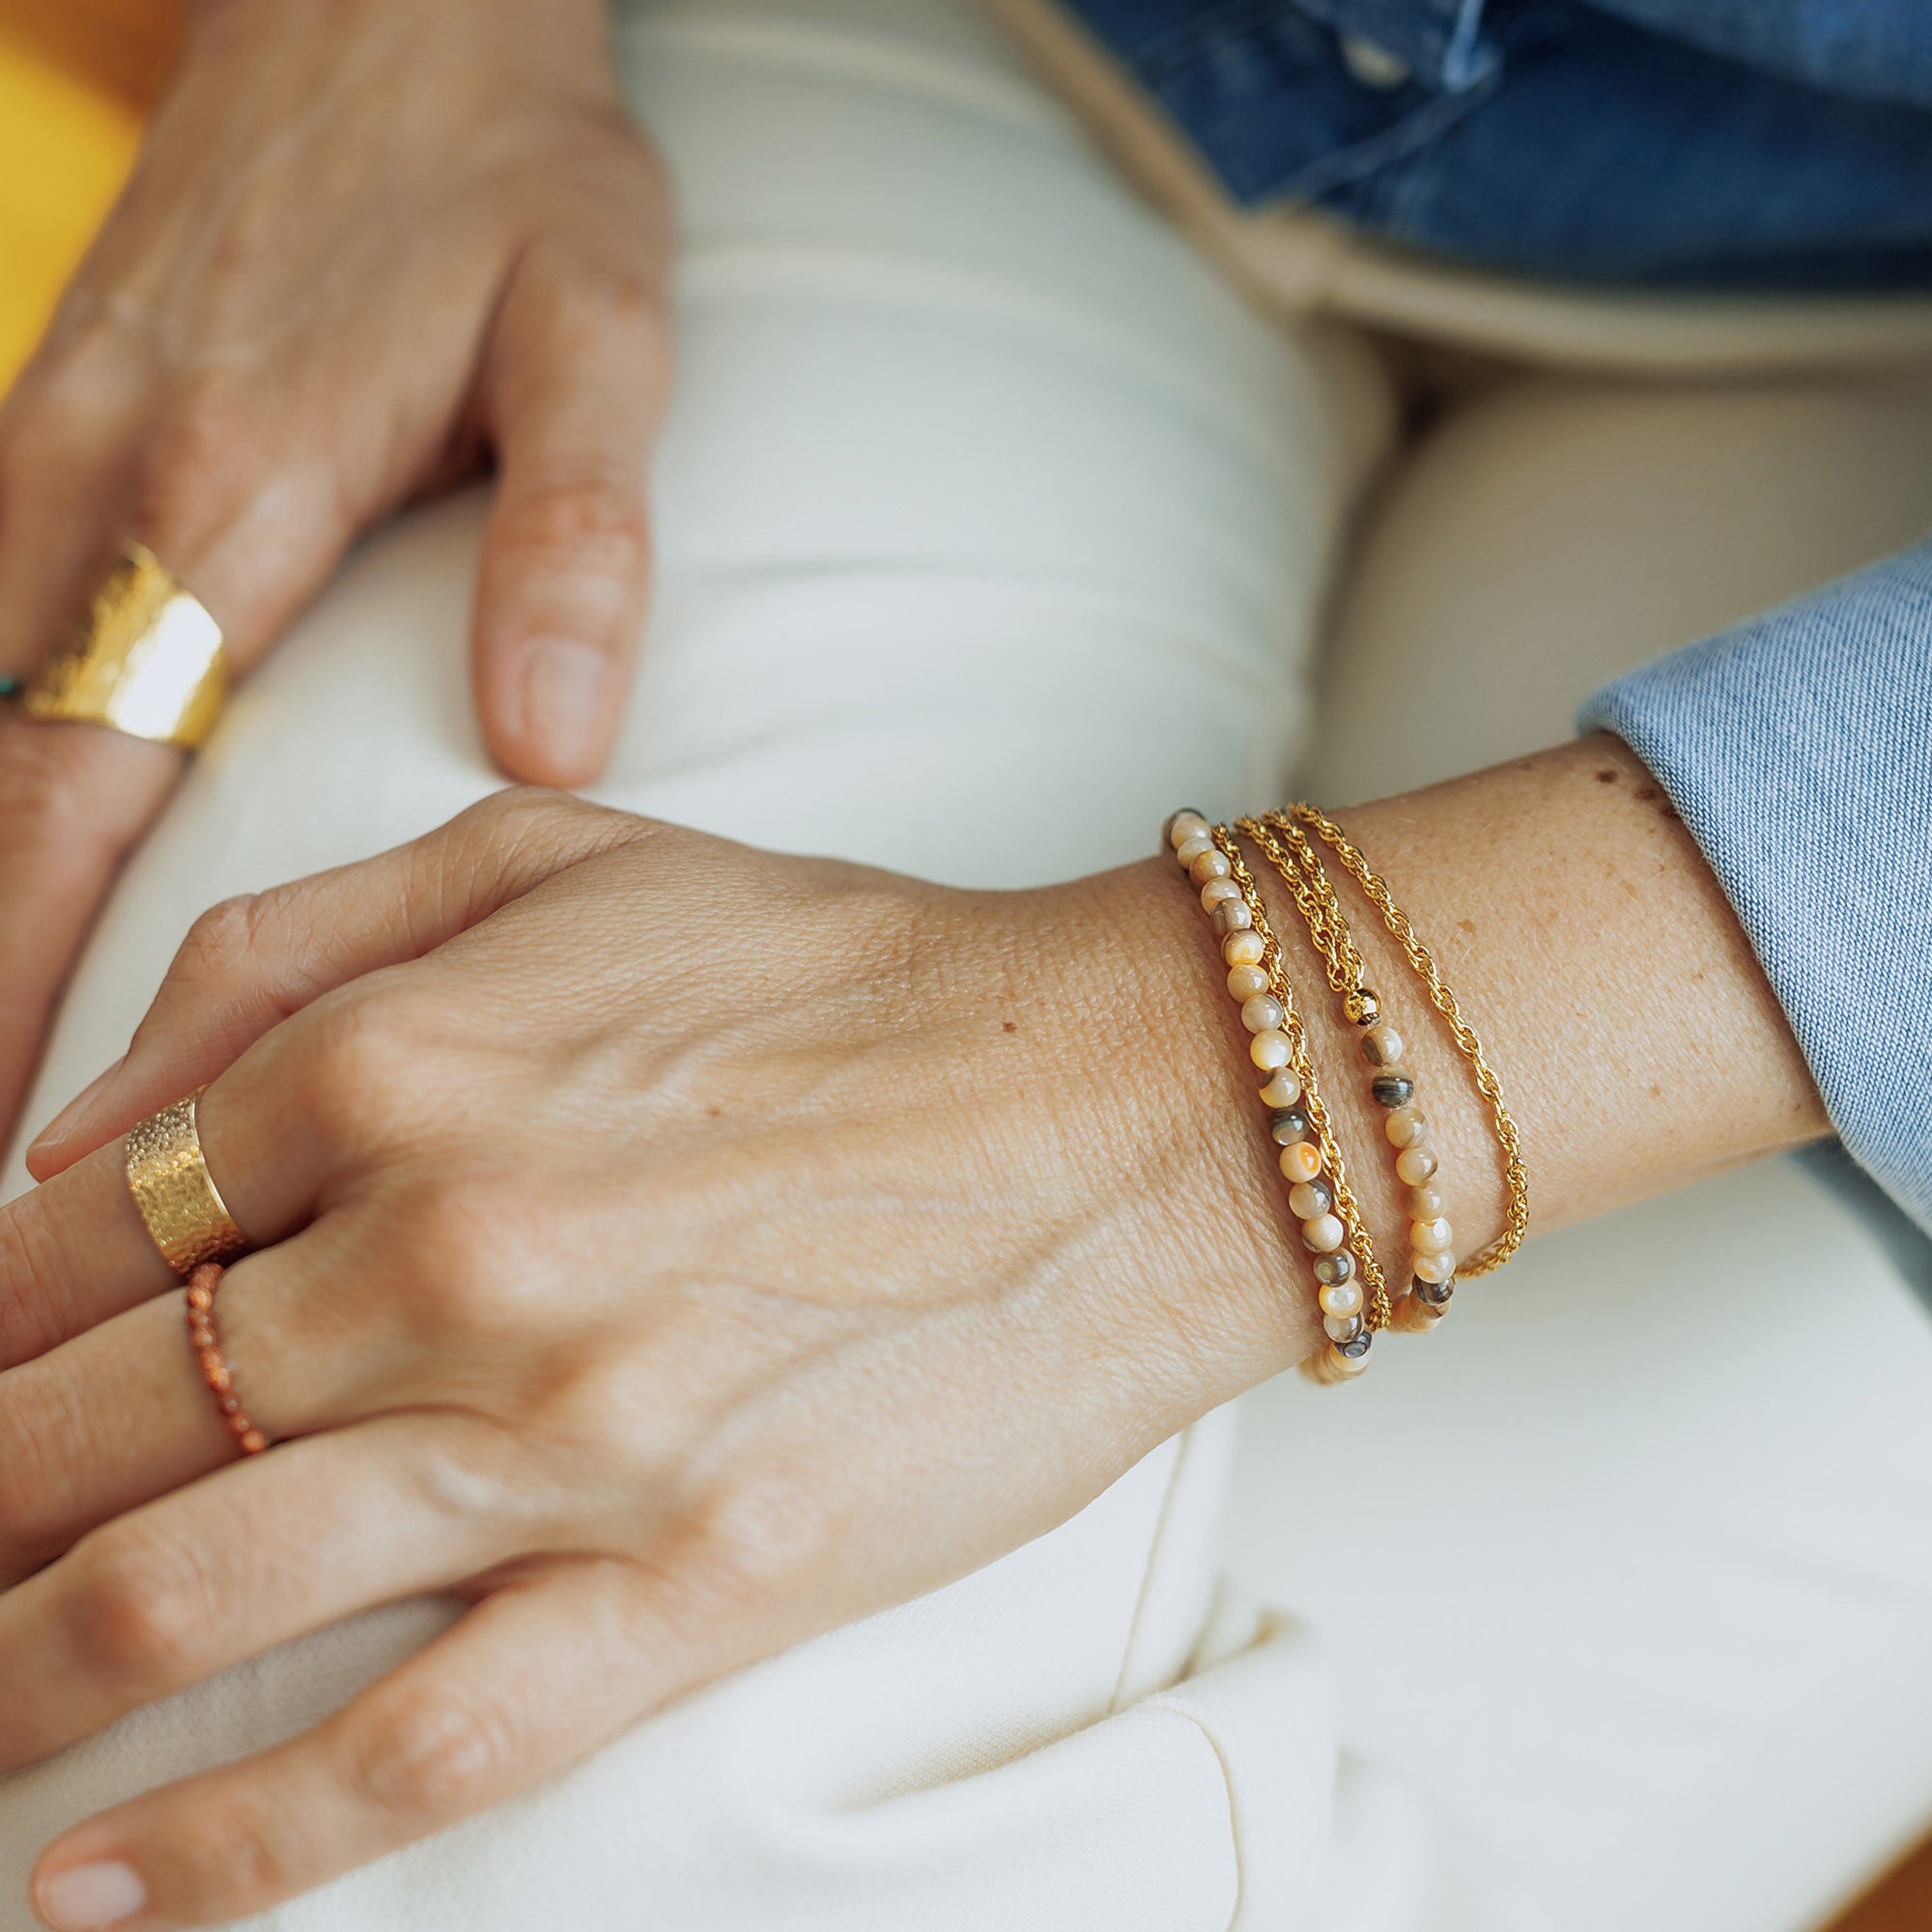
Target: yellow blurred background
(75, 77)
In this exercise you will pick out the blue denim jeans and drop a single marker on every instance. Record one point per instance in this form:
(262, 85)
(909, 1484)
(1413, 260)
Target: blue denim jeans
(1767, 144)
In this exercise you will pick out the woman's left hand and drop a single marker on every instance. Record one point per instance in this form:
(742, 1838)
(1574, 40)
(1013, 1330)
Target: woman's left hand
(658, 1242)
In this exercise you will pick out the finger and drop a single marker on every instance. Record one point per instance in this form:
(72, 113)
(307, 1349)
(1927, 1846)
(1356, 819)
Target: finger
(260, 1553)
(72, 800)
(574, 388)
(251, 964)
(119, 1413)
(546, 1669)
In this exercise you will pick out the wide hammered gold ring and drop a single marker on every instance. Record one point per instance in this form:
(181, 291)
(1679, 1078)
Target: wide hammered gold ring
(146, 659)
(179, 1202)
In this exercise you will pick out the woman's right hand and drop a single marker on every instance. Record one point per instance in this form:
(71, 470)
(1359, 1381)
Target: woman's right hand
(369, 245)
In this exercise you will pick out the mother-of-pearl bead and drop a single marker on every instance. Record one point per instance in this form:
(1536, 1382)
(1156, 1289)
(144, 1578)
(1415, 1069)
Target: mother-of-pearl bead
(1435, 1268)
(1230, 916)
(1270, 1049)
(1381, 1047)
(1427, 1202)
(1245, 981)
(1302, 1161)
(1323, 1234)
(1193, 848)
(1307, 1199)
(1431, 1237)
(1186, 826)
(1217, 890)
(1243, 949)
(1281, 1089)
(1406, 1128)
(1342, 1327)
(1263, 1013)
(1211, 864)
(1414, 1165)
(1345, 1298)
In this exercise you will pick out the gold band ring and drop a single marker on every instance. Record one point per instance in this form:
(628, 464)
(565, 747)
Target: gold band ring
(176, 1195)
(146, 659)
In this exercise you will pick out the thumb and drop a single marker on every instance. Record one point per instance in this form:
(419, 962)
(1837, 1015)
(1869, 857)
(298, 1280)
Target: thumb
(574, 386)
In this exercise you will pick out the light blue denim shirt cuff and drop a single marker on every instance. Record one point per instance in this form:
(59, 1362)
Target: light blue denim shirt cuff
(1797, 749)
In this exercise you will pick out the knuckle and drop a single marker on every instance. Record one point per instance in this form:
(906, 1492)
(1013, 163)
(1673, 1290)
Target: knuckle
(355, 1074)
(580, 523)
(469, 1262)
(761, 1532)
(195, 474)
(220, 940)
(141, 1609)
(425, 1759)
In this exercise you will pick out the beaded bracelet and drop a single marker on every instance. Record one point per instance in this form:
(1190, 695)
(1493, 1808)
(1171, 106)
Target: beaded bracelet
(1333, 1229)
(1391, 1084)
(1516, 1218)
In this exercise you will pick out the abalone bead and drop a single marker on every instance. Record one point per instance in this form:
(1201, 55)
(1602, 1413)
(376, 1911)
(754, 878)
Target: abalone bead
(1196, 847)
(1343, 1298)
(1436, 1293)
(1332, 1269)
(1414, 1316)
(1263, 1013)
(1414, 1165)
(1356, 1348)
(1270, 1050)
(1302, 1161)
(1216, 891)
(1431, 1237)
(1307, 1199)
(1245, 981)
(1381, 1047)
(1323, 1234)
(1185, 825)
(1230, 916)
(1286, 1125)
(1440, 1269)
(1342, 1327)
(1406, 1127)
(1282, 1088)
(1211, 864)
(1427, 1202)
(1243, 947)
(1392, 1088)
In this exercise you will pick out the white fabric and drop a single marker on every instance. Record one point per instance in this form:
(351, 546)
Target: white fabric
(992, 529)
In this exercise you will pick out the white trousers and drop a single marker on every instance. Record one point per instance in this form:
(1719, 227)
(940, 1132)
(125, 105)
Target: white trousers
(992, 527)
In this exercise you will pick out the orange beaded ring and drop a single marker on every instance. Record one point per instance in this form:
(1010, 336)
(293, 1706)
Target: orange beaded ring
(206, 1340)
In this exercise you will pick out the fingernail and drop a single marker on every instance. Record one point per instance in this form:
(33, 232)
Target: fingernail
(567, 700)
(70, 1116)
(84, 1899)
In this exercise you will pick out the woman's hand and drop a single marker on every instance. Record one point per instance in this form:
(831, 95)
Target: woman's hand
(368, 243)
(678, 1249)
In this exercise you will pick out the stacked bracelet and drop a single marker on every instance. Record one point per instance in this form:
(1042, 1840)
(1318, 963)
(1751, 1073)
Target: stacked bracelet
(1352, 1292)
(1391, 1085)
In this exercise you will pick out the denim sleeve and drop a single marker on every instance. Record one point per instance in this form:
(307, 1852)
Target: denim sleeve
(1798, 751)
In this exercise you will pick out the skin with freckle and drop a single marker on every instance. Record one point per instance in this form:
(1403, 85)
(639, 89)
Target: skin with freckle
(771, 1313)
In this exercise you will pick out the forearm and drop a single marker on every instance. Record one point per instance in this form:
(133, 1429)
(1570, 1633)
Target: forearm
(1636, 1040)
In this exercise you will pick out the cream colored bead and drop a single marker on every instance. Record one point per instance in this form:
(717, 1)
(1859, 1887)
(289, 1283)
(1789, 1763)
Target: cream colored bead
(1381, 1047)
(1230, 916)
(1414, 1165)
(1243, 949)
(1261, 1013)
(1307, 1199)
(1186, 827)
(1427, 1202)
(1323, 1234)
(1209, 864)
(1194, 849)
(1302, 1161)
(1245, 981)
(1406, 1126)
(1345, 1298)
(1281, 1089)
(1434, 1268)
(1269, 1050)
(1431, 1237)
(1217, 890)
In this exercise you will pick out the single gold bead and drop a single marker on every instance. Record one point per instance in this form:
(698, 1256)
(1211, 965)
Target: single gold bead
(1363, 1007)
